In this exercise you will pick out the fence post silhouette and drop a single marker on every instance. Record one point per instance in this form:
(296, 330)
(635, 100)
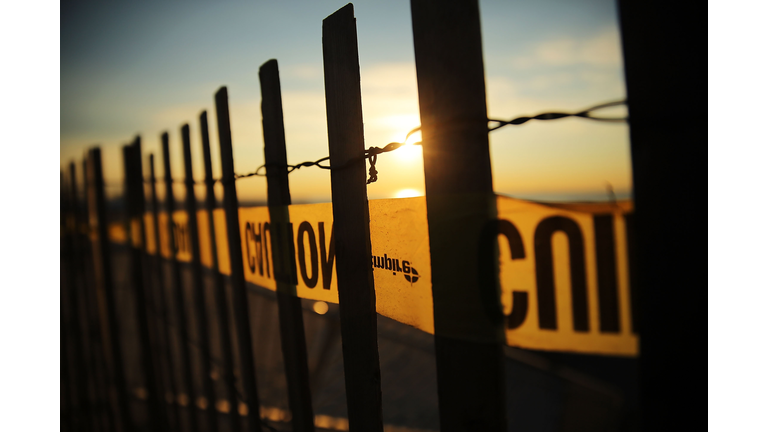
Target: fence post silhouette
(219, 287)
(104, 285)
(135, 204)
(237, 278)
(292, 336)
(203, 333)
(75, 295)
(665, 144)
(459, 194)
(161, 301)
(69, 420)
(357, 298)
(178, 294)
(89, 347)
(101, 375)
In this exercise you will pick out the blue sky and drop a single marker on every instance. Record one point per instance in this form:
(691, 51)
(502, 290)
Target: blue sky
(147, 67)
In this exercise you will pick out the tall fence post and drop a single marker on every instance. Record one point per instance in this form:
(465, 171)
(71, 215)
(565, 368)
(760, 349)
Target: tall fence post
(102, 406)
(134, 203)
(76, 295)
(69, 418)
(237, 277)
(459, 194)
(278, 195)
(178, 292)
(220, 297)
(667, 148)
(104, 285)
(357, 298)
(203, 339)
(161, 301)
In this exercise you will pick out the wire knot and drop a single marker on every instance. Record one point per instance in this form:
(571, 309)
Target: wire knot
(372, 173)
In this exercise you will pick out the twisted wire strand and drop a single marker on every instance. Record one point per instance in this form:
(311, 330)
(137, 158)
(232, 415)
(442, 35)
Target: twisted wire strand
(587, 114)
(372, 152)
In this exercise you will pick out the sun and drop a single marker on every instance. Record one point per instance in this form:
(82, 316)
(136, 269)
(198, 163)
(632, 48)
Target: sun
(410, 151)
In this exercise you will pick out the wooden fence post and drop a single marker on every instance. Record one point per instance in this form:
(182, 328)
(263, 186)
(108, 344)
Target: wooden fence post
(278, 196)
(237, 278)
(70, 418)
(101, 375)
(76, 297)
(668, 282)
(197, 283)
(161, 300)
(134, 203)
(459, 194)
(357, 298)
(220, 296)
(105, 291)
(178, 293)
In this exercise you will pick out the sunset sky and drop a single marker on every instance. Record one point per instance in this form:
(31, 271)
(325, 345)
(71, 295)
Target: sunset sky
(148, 67)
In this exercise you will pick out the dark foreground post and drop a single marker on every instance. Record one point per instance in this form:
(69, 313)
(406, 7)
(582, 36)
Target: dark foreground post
(668, 147)
(459, 192)
(227, 356)
(279, 195)
(237, 278)
(203, 338)
(178, 293)
(161, 301)
(134, 203)
(357, 298)
(102, 264)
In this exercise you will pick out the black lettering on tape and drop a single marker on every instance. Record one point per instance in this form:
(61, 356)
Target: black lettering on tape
(326, 259)
(488, 272)
(310, 281)
(545, 280)
(248, 236)
(607, 286)
(268, 248)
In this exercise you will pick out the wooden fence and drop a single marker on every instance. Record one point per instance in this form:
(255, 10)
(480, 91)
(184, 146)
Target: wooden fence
(179, 389)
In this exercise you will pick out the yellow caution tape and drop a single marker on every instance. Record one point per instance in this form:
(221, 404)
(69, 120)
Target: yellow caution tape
(563, 268)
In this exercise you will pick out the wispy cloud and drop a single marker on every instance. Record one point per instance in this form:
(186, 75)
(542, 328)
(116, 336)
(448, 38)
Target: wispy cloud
(602, 49)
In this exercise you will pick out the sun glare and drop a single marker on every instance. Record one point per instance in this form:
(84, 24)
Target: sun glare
(408, 193)
(410, 151)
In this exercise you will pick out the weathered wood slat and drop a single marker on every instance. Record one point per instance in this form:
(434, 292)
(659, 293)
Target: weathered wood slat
(177, 292)
(237, 278)
(103, 280)
(459, 194)
(357, 298)
(292, 337)
(220, 296)
(201, 316)
(134, 199)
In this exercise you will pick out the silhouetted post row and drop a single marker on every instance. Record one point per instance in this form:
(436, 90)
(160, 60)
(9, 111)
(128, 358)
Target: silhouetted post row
(161, 304)
(105, 420)
(220, 296)
(357, 299)
(135, 207)
(203, 338)
(292, 337)
(178, 296)
(103, 280)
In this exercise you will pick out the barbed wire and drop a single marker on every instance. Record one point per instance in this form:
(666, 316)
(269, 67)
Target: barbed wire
(371, 154)
(586, 114)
